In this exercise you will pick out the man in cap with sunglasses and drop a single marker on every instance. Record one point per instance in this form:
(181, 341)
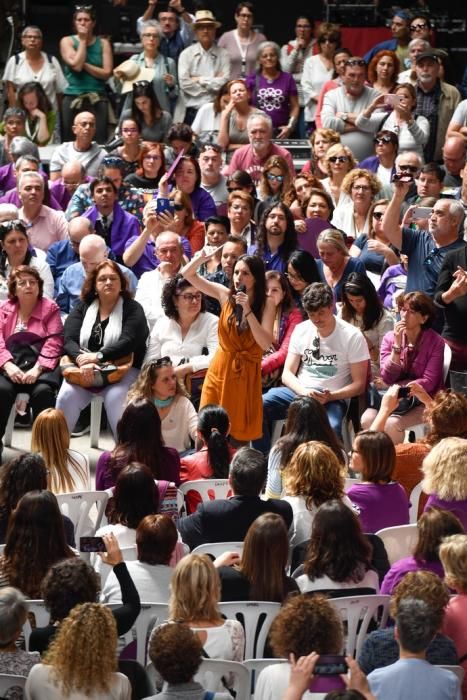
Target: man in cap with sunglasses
(83, 148)
(342, 106)
(327, 360)
(203, 67)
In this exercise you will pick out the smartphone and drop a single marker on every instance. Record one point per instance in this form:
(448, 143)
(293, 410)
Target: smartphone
(402, 177)
(421, 213)
(164, 204)
(392, 100)
(91, 544)
(330, 665)
(404, 392)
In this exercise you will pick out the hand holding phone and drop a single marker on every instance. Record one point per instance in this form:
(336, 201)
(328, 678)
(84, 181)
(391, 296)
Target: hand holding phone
(404, 392)
(91, 544)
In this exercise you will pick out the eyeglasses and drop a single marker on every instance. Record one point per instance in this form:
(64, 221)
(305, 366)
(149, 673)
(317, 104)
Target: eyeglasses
(8, 226)
(296, 277)
(316, 351)
(36, 37)
(381, 140)
(378, 215)
(161, 361)
(112, 162)
(30, 282)
(275, 178)
(361, 188)
(191, 297)
(409, 168)
(417, 27)
(141, 83)
(338, 159)
(153, 157)
(355, 62)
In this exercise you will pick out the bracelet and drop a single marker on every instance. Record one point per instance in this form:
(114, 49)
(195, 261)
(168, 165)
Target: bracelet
(396, 349)
(246, 315)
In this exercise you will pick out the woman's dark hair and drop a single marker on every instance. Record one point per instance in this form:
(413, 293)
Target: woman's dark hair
(338, 548)
(88, 291)
(144, 88)
(290, 241)
(69, 583)
(256, 266)
(195, 164)
(147, 147)
(17, 477)
(5, 229)
(88, 9)
(378, 456)
(391, 135)
(358, 285)
(264, 558)
(213, 424)
(156, 537)
(135, 496)
(243, 179)
(307, 420)
(433, 526)
(318, 192)
(176, 652)
(247, 5)
(219, 95)
(35, 540)
(172, 288)
(304, 263)
(16, 273)
(139, 438)
(180, 132)
(103, 180)
(347, 52)
(420, 302)
(287, 303)
(43, 101)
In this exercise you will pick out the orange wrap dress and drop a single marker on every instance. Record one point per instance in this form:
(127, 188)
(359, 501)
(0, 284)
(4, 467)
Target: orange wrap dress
(233, 379)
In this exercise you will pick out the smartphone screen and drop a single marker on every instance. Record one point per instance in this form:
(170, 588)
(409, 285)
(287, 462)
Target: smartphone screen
(165, 204)
(91, 544)
(404, 392)
(330, 665)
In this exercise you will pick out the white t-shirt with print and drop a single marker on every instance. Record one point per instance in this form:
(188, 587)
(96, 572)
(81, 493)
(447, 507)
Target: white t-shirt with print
(330, 368)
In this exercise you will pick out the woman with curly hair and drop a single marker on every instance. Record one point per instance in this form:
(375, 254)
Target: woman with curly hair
(304, 624)
(353, 217)
(433, 526)
(82, 660)
(321, 140)
(444, 469)
(339, 555)
(383, 70)
(259, 572)
(306, 421)
(313, 476)
(299, 190)
(158, 382)
(67, 470)
(381, 648)
(35, 540)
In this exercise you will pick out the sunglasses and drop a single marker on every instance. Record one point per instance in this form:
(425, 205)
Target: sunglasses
(409, 168)
(178, 207)
(381, 140)
(210, 147)
(338, 159)
(316, 351)
(84, 8)
(355, 62)
(12, 225)
(161, 361)
(275, 178)
(141, 83)
(234, 189)
(378, 215)
(112, 162)
(417, 27)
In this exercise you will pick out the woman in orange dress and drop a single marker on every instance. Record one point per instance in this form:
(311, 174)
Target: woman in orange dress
(233, 379)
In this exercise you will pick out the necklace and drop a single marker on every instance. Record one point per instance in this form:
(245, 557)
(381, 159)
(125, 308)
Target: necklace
(163, 403)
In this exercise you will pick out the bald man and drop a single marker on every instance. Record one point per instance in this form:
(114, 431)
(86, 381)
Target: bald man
(73, 175)
(454, 159)
(92, 251)
(64, 253)
(83, 148)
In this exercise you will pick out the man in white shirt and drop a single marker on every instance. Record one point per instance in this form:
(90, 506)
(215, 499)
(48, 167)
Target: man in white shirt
(327, 360)
(169, 250)
(203, 67)
(83, 148)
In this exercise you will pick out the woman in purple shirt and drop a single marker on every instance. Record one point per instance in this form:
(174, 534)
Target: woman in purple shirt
(380, 501)
(444, 470)
(274, 91)
(434, 525)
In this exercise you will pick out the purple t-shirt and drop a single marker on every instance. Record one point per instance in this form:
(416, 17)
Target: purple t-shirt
(170, 469)
(272, 96)
(402, 567)
(459, 508)
(380, 505)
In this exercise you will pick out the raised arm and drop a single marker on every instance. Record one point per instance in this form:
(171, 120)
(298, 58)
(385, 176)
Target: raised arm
(211, 289)
(391, 227)
(75, 58)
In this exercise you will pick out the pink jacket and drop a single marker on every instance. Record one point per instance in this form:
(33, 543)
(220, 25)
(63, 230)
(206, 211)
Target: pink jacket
(44, 320)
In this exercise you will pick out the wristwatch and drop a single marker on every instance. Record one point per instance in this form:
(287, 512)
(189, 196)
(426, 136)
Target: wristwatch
(344, 116)
(99, 356)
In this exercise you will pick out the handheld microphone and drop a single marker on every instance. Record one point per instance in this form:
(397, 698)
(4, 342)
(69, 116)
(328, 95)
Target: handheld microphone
(238, 309)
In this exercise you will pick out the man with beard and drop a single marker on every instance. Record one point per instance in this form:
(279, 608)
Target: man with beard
(276, 237)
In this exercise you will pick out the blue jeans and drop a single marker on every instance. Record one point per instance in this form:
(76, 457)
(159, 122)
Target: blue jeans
(275, 405)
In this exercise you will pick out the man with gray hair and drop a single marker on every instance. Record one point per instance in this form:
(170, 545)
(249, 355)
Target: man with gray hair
(23, 164)
(412, 676)
(45, 225)
(169, 250)
(253, 157)
(19, 146)
(416, 47)
(92, 251)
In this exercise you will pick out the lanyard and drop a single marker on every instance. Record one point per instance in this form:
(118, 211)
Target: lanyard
(243, 49)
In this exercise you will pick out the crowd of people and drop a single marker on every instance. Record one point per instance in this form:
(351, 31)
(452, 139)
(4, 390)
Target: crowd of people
(239, 320)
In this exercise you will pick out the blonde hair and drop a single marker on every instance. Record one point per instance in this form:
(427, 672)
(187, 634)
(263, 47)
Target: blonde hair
(453, 556)
(83, 654)
(445, 469)
(51, 438)
(195, 590)
(334, 237)
(336, 150)
(355, 174)
(315, 473)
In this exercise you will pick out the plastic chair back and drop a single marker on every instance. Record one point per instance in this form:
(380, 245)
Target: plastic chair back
(458, 670)
(42, 617)
(414, 499)
(358, 612)
(151, 614)
(399, 541)
(256, 618)
(78, 506)
(215, 549)
(212, 671)
(255, 666)
(8, 680)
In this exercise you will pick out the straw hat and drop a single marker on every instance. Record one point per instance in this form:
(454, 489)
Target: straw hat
(129, 72)
(204, 17)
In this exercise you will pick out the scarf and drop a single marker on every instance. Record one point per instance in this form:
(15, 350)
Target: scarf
(114, 326)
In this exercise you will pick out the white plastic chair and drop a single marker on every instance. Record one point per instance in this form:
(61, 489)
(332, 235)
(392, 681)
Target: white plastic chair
(414, 499)
(212, 670)
(457, 670)
(218, 548)
(77, 506)
(399, 541)
(8, 437)
(255, 666)
(8, 680)
(95, 425)
(208, 489)
(358, 612)
(41, 614)
(276, 432)
(151, 614)
(256, 618)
